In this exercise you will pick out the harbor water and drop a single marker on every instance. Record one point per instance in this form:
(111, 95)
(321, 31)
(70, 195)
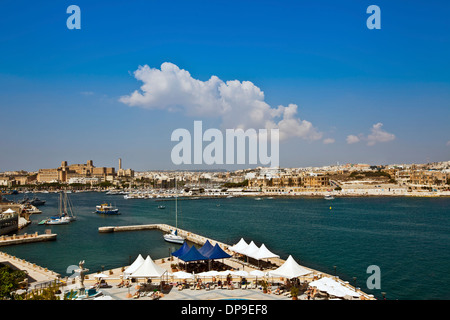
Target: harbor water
(407, 238)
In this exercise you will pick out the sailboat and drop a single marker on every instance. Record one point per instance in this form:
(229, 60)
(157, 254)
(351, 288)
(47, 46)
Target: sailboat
(65, 212)
(173, 235)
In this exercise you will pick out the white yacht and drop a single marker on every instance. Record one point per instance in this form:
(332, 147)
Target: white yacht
(173, 235)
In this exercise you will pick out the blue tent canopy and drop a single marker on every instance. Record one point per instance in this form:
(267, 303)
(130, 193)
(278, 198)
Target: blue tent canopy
(217, 253)
(192, 255)
(207, 247)
(184, 248)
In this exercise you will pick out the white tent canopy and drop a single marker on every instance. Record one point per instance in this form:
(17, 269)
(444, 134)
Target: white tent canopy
(9, 211)
(250, 250)
(290, 269)
(133, 267)
(333, 287)
(148, 269)
(240, 246)
(264, 253)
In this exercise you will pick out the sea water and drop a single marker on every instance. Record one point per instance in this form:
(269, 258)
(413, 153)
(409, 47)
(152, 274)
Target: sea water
(407, 238)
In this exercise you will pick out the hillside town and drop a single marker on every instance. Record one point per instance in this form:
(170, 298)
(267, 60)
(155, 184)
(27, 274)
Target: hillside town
(343, 179)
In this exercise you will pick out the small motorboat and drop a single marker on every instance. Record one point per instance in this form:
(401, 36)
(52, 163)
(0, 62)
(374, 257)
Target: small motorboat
(104, 208)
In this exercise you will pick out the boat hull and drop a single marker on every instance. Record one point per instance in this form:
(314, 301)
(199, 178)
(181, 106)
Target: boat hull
(108, 212)
(174, 239)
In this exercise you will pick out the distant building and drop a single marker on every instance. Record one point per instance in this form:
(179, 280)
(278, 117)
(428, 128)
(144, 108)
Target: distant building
(66, 172)
(124, 173)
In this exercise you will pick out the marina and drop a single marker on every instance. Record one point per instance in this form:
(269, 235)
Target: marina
(318, 237)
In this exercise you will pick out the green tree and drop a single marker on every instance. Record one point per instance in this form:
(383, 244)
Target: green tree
(10, 281)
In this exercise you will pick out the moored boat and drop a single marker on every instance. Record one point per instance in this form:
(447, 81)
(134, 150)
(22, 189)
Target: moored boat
(104, 208)
(174, 237)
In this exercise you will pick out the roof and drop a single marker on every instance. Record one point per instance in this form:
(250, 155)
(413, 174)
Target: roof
(148, 269)
(240, 246)
(136, 264)
(290, 269)
(218, 253)
(264, 253)
(184, 248)
(207, 247)
(192, 255)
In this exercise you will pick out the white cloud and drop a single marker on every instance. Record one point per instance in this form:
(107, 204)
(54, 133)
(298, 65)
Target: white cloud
(448, 143)
(238, 104)
(377, 135)
(352, 139)
(328, 140)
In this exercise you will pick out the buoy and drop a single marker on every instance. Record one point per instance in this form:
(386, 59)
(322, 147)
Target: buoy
(330, 208)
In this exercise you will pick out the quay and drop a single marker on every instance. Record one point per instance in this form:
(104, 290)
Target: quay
(38, 276)
(190, 236)
(200, 240)
(26, 238)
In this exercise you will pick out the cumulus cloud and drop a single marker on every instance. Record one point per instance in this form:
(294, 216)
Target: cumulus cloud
(377, 135)
(238, 104)
(448, 143)
(328, 140)
(352, 139)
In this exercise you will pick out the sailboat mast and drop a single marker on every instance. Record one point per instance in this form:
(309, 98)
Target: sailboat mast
(176, 204)
(60, 204)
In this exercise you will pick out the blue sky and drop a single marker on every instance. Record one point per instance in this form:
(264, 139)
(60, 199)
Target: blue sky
(60, 88)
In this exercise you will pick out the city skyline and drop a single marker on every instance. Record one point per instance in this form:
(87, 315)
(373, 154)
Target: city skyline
(116, 88)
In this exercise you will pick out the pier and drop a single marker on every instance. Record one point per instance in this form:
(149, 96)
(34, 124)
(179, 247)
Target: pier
(200, 240)
(26, 238)
(192, 237)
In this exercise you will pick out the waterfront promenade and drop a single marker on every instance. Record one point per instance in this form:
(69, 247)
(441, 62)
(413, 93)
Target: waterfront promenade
(114, 276)
(37, 276)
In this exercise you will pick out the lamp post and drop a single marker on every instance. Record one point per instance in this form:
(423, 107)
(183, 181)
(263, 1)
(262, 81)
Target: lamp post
(354, 279)
(334, 271)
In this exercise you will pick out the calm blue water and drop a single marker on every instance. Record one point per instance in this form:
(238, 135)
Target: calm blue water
(408, 238)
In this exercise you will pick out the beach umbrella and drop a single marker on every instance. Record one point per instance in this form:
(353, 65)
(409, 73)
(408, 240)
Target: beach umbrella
(256, 274)
(211, 273)
(183, 275)
(240, 273)
(101, 275)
